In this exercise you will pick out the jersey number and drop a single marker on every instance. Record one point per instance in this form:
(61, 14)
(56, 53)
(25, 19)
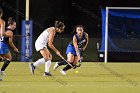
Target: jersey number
(1, 39)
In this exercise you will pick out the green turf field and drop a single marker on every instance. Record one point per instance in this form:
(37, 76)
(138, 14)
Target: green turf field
(92, 78)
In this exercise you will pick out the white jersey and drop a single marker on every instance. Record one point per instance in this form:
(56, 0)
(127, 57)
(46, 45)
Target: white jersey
(42, 40)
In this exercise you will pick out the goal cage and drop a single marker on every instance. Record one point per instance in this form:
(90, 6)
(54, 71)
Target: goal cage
(120, 34)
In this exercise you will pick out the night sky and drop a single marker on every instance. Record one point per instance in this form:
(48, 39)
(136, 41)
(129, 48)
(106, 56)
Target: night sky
(71, 12)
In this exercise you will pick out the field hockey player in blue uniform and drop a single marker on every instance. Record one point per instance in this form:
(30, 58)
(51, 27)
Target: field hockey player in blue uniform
(2, 24)
(74, 49)
(6, 41)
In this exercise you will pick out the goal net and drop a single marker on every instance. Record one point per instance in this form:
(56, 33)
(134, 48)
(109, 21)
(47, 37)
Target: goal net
(121, 33)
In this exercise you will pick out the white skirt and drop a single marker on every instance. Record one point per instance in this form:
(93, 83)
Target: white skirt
(39, 46)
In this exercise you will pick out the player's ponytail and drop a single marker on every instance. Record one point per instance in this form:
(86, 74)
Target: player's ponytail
(1, 12)
(59, 24)
(10, 21)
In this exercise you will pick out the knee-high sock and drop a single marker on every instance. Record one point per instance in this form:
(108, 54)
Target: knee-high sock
(39, 62)
(47, 66)
(62, 62)
(67, 67)
(6, 63)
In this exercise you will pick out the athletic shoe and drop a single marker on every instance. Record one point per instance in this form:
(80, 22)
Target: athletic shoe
(55, 66)
(0, 75)
(32, 68)
(47, 74)
(62, 72)
(75, 66)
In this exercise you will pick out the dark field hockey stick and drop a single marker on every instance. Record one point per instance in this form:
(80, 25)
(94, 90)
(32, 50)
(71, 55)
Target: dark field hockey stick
(29, 57)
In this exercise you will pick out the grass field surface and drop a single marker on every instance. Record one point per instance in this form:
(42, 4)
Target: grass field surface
(92, 77)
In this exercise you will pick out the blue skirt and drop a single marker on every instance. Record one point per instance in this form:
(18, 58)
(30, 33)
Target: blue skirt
(71, 49)
(3, 48)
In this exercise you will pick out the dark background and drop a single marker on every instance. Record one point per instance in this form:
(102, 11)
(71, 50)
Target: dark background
(71, 12)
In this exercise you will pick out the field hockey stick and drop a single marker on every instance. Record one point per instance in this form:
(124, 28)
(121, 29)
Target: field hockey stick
(28, 34)
(29, 57)
(20, 53)
(65, 60)
(79, 64)
(68, 63)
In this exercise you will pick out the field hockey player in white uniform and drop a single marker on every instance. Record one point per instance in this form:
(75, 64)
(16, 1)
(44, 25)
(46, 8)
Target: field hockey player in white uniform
(46, 39)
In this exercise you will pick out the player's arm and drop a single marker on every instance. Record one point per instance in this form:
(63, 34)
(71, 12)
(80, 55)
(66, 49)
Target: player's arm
(76, 46)
(50, 43)
(10, 33)
(2, 28)
(87, 40)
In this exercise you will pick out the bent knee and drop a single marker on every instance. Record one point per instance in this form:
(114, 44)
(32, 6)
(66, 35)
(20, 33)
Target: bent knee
(47, 58)
(10, 58)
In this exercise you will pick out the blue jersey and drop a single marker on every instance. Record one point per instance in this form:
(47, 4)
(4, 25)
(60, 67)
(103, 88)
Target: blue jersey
(4, 45)
(80, 42)
(4, 39)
